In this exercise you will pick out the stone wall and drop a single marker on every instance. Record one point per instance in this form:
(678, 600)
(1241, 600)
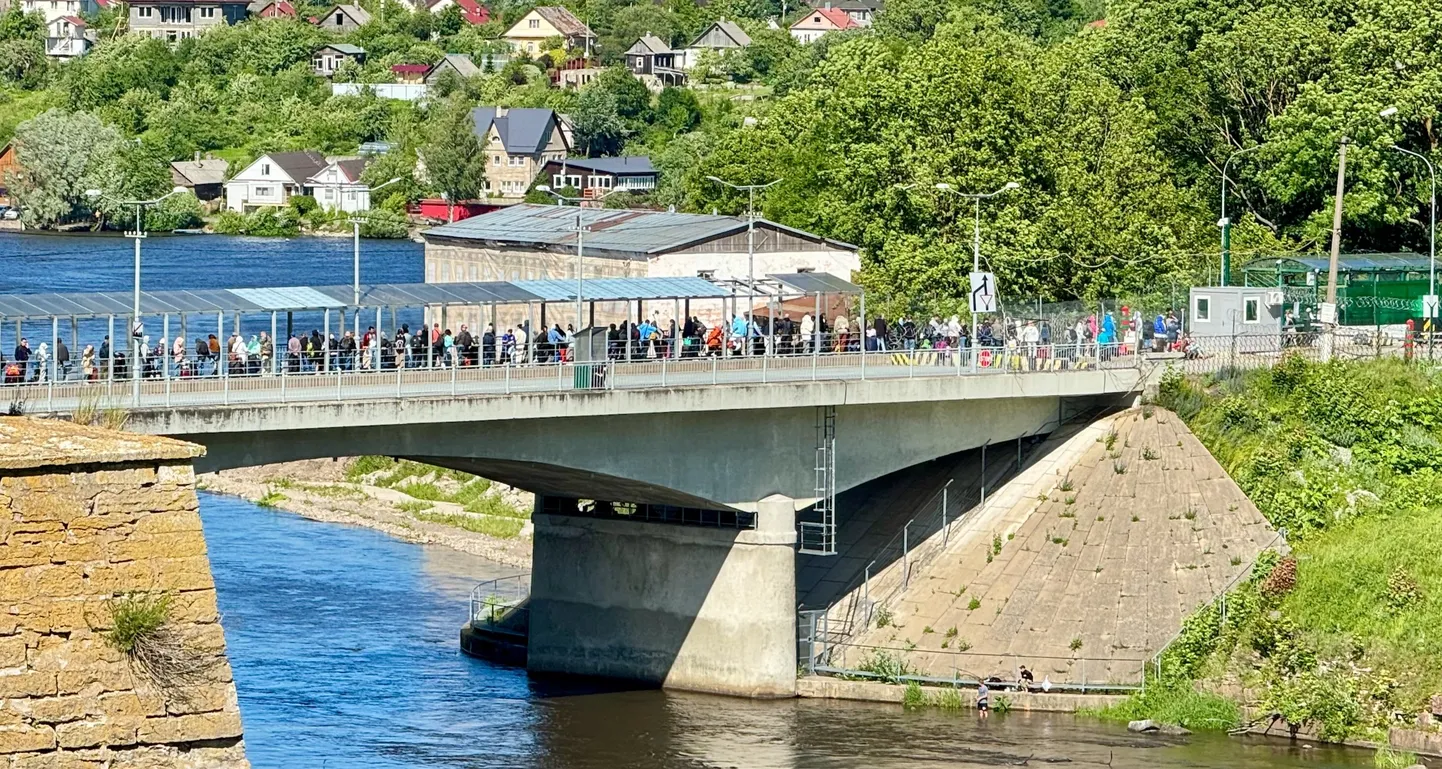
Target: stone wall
(89, 516)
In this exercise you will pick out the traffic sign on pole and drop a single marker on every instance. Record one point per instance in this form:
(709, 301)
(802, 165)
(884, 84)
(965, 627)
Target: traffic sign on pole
(983, 292)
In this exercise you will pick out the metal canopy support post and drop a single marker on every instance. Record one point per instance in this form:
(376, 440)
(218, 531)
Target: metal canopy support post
(110, 362)
(165, 346)
(274, 346)
(325, 344)
(54, 345)
(861, 333)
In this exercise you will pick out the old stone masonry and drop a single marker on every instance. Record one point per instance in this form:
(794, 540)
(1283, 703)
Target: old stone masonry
(94, 520)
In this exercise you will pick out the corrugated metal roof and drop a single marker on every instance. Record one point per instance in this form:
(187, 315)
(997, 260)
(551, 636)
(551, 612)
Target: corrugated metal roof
(816, 283)
(1402, 262)
(611, 289)
(638, 234)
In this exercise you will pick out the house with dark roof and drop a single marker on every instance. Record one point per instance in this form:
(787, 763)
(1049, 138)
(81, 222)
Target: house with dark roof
(652, 61)
(458, 64)
(517, 143)
(343, 18)
(862, 12)
(339, 186)
(272, 179)
(328, 58)
(539, 241)
(809, 28)
(594, 177)
(204, 177)
(545, 22)
(718, 37)
(176, 20)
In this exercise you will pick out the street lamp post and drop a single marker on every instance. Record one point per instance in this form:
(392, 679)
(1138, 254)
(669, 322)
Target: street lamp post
(580, 250)
(1224, 222)
(1432, 237)
(356, 222)
(976, 198)
(750, 190)
(138, 235)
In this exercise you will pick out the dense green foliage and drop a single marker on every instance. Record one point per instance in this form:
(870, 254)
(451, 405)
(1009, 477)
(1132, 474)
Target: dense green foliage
(1341, 635)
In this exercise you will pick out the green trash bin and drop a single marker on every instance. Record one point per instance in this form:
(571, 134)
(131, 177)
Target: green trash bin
(582, 373)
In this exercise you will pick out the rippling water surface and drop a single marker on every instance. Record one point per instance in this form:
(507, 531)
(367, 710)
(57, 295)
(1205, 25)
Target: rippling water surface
(344, 646)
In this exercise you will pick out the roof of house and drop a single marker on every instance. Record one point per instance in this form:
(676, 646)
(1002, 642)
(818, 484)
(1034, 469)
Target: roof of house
(299, 166)
(197, 172)
(75, 21)
(848, 5)
(357, 14)
(637, 234)
(462, 64)
(524, 130)
(350, 169)
(473, 12)
(634, 164)
(649, 43)
(836, 16)
(258, 7)
(564, 21)
(345, 48)
(728, 28)
(410, 69)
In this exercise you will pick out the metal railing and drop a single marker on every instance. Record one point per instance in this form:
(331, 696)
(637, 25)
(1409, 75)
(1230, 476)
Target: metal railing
(499, 605)
(166, 390)
(1211, 354)
(949, 667)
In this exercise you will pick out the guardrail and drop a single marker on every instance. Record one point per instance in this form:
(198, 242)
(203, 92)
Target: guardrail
(166, 390)
(498, 605)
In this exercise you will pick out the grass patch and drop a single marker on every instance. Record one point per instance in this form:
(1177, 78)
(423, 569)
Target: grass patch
(1388, 758)
(491, 504)
(501, 528)
(270, 500)
(1176, 703)
(423, 490)
(135, 617)
(973, 604)
(415, 506)
(326, 490)
(360, 467)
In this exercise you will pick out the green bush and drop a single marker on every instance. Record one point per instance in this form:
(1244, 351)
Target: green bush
(262, 222)
(134, 618)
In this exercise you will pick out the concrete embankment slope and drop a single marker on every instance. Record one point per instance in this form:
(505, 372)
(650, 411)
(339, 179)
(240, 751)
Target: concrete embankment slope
(1082, 567)
(87, 518)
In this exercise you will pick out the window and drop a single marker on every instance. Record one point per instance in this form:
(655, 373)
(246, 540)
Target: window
(207, 13)
(265, 169)
(145, 13)
(170, 36)
(706, 274)
(1251, 310)
(601, 180)
(495, 160)
(263, 192)
(339, 20)
(534, 24)
(517, 161)
(1202, 309)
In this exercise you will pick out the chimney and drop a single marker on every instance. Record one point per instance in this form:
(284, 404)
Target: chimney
(501, 111)
(197, 156)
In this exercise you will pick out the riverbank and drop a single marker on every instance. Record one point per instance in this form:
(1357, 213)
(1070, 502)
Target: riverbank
(406, 500)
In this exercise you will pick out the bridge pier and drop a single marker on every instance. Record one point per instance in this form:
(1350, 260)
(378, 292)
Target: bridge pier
(687, 607)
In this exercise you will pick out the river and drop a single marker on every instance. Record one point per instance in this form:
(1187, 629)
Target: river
(344, 646)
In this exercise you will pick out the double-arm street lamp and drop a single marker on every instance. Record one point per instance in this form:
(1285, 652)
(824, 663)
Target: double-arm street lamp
(138, 234)
(580, 250)
(356, 222)
(750, 190)
(976, 198)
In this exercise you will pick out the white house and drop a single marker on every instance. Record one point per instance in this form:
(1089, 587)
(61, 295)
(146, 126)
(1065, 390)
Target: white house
(65, 38)
(55, 9)
(272, 179)
(339, 186)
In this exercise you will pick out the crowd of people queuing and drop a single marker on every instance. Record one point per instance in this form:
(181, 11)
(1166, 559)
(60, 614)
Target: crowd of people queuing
(1097, 335)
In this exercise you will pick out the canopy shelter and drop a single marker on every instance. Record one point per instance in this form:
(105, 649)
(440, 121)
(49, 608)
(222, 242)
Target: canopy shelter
(1372, 289)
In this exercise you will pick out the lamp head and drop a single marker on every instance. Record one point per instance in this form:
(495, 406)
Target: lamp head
(943, 186)
(178, 191)
(1389, 112)
(92, 193)
(543, 187)
(1011, 186)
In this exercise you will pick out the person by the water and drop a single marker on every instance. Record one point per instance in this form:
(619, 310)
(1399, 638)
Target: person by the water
(983, 699)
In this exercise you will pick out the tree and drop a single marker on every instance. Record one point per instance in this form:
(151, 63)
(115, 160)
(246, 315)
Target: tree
(449, 20)
(22, 46)
(633, 99)
(678, 110)
(599, 128)
(454, 164)
(60, 155)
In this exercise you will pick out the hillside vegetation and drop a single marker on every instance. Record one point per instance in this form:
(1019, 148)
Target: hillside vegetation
(1343, 633)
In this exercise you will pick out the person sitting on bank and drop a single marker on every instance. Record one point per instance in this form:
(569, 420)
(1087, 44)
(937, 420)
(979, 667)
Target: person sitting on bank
(1026, 678)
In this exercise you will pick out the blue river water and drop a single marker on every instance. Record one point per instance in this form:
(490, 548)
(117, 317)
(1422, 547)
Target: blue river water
(344, 640)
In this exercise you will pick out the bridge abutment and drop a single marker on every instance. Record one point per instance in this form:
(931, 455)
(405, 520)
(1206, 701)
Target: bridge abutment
(698, 608)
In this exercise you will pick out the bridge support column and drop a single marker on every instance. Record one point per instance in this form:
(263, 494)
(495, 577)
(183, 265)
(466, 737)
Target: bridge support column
(685, 607)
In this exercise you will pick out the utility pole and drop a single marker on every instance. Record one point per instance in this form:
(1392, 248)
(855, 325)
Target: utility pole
(750, 249)
(1329, 308)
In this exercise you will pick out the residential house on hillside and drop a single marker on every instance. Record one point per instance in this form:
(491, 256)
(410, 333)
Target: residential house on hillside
(66, 37)
(204, 177)
(176, 20)
(459, 64)
(272, 9)
(472, 12)
(720, 37)
(594, 177)
(339, 186)
(809, 28)
(328, 58)
(7, 167)
(546, 22)
(343, 18)
(414, 74)
(56, 9)
(652, 61)
(273, 179)
(862, 12)
(517, 143)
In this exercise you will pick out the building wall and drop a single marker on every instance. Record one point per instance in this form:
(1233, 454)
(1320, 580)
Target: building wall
(108, 515)
(530, 33)
(170, 22)
(1226, 313)
(509, 175)
(337, 21)
(53, 9)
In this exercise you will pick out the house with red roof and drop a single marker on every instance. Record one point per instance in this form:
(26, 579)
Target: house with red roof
(66, 37)
(410, 73)
(810, 28)
(272, 9)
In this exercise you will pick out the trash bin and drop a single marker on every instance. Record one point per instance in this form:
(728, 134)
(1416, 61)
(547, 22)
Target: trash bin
(589, 376)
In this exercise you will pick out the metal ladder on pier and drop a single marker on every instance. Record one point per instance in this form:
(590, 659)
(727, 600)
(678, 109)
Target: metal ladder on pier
(818, 536)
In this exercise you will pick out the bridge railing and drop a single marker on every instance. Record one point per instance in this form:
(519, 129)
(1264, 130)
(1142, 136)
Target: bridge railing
(499, 605)
(163, 389)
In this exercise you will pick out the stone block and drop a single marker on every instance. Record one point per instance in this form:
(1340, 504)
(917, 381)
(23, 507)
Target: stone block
(194, 606)
(26, 739)
(138, 547)
(74, 655)
(50, 507)
(75, 551)
(12, 652)
(179, 475)
(55, 615)
(88, 759)
(109, 677)
(59, 581)
(200, 699)
(110, 732)
(59, 710)
(104, 521)
(169, 523)
(27, 684)
(191, 728)
(185, 573)
(146, 500)
(25, 553)
(140, 702)
(126, 478)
